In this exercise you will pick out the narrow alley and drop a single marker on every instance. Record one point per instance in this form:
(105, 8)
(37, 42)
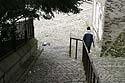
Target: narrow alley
(54, 65)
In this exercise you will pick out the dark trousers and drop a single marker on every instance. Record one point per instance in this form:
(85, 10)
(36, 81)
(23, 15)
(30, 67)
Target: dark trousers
(88, 45)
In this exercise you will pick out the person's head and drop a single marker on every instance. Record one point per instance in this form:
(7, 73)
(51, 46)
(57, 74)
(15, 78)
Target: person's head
(88, 28)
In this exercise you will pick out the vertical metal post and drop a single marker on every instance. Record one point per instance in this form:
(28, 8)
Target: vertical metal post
(3, 78)
(14, 36)
(70, 47)
(88, 70)
(85, 57)
(30, 32)
(98, 80)
(27, 78)
(76, 49)
(93, 77)
(82, 53)
(91, 70)
(32, 27)
(25, 31)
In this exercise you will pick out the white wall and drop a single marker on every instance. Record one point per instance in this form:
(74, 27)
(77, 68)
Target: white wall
(98, 15)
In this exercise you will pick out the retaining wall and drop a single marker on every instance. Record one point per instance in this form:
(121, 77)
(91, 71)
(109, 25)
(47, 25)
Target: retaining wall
(15, 65)
(114, 27)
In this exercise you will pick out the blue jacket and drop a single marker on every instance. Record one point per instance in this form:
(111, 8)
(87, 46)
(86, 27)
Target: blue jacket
(88, 38)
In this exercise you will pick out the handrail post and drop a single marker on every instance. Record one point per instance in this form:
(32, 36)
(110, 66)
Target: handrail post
(70, 47)
(25, 30)
(82, 54)
(94, 78)
(87, 69)
(98, 80)
(91, 70)
(32, 27)
(4, 78)
(13, 40)
(89, 64)
(76, 49)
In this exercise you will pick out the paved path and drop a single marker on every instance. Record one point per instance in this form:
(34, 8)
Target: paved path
(54, 65)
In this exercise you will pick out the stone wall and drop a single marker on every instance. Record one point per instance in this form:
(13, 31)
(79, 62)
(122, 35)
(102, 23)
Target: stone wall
(111, 68)
(114, 26)
(15, 65)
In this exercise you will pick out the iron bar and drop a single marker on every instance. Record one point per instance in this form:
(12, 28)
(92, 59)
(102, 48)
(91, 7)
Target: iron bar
(70, 47)
(76, 49)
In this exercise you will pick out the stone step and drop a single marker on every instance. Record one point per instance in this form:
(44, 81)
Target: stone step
(55, 66)
(109, 61)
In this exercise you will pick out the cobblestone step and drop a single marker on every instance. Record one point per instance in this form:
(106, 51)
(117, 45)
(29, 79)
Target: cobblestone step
(53, 66)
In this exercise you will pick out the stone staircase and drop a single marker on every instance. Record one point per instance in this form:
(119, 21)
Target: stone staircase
(55, 66)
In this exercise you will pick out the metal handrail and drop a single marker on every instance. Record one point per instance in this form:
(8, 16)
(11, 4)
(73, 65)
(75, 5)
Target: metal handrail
(90, 70)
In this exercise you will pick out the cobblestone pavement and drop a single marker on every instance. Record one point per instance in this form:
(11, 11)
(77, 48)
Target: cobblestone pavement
(54, 65)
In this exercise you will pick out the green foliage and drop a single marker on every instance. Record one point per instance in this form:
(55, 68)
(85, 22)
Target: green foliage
(13, 10)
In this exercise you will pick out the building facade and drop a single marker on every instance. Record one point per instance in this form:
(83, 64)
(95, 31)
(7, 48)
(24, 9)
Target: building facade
(98, 17)
(109, 24)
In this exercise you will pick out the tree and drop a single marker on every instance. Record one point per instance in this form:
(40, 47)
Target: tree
(13, 10)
